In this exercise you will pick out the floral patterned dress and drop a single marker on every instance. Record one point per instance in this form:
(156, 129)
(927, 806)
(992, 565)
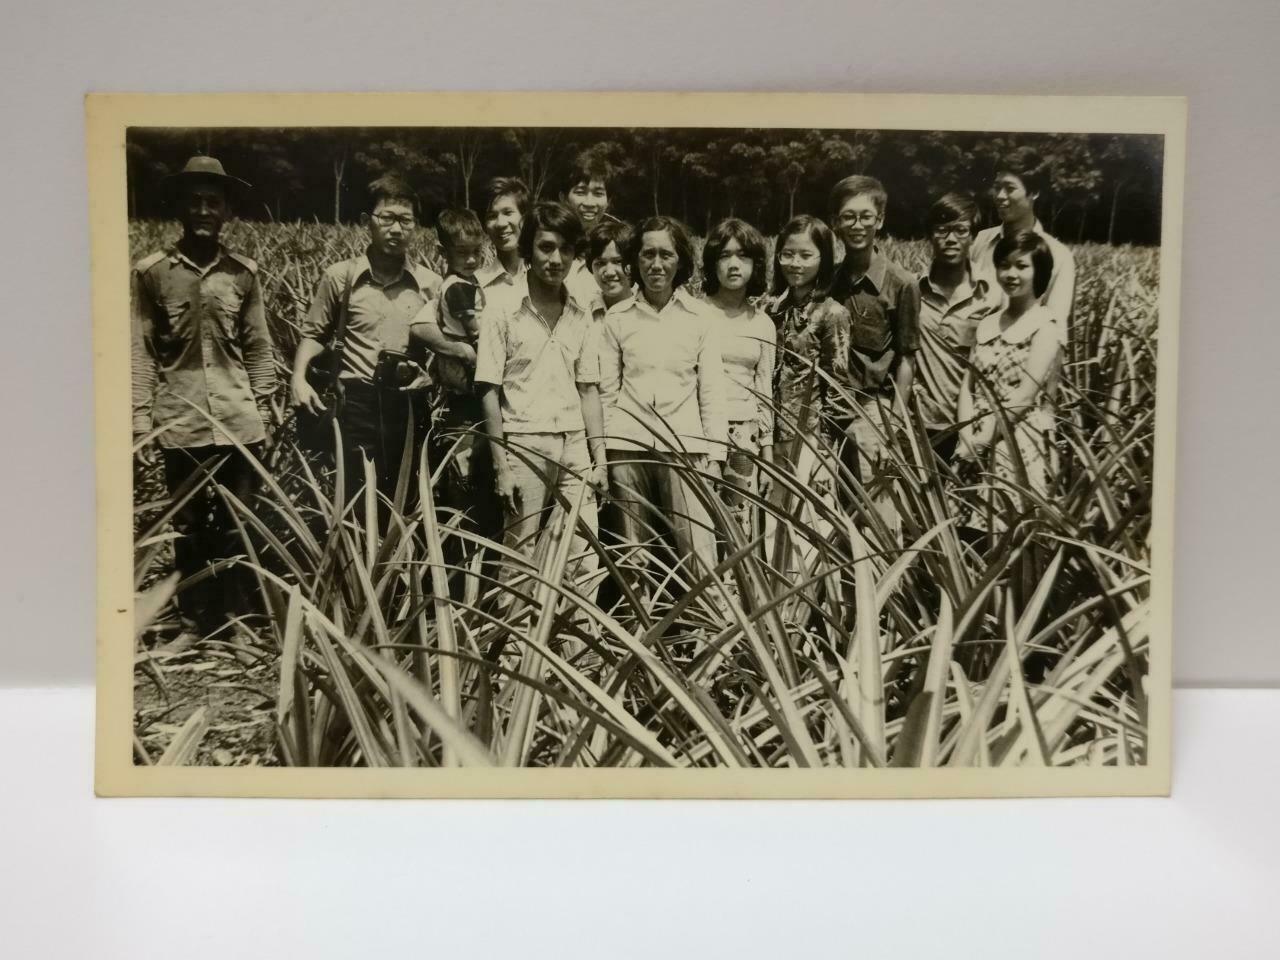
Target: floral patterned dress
(1000, 361)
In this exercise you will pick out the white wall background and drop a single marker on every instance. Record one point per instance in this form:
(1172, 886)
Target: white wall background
(1222, 56)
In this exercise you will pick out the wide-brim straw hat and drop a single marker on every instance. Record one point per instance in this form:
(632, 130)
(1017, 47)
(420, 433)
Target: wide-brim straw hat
(201, 168)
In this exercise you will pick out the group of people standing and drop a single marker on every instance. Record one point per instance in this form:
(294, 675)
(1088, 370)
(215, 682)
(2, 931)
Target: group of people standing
(580, 357)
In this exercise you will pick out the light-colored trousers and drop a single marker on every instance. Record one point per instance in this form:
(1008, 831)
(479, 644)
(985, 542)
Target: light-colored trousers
(542, 465)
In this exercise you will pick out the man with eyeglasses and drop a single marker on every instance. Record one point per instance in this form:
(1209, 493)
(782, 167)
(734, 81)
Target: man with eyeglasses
(383, 387)
(952, 302)
(883, 301)
(203, 377)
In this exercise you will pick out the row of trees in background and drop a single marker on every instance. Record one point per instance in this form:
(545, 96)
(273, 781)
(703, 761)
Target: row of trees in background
(1104, 187)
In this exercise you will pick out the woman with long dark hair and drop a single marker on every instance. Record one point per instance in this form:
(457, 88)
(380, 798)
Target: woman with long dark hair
(734, 273)
(663, 388)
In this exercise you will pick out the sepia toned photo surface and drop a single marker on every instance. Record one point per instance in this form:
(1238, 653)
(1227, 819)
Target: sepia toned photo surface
(697, 445)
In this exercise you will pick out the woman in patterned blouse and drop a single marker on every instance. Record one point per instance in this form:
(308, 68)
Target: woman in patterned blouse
(813, 332)
(1015, 365)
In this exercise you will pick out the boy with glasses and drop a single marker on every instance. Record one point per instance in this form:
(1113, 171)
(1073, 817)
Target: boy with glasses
(952, 302)
(883, 300)
(383, 388)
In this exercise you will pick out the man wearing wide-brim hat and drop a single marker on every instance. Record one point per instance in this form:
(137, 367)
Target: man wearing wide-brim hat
(203, 377)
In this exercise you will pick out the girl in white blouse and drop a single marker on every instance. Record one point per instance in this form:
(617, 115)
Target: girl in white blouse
(733, 273)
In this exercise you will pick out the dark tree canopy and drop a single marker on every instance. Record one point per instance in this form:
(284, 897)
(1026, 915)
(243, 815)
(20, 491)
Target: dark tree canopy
(1102, 187)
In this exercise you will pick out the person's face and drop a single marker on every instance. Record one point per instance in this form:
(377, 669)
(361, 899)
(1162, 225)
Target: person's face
(658, 262)
(1017, 276)
(503, 224)
(204, 210)
(590, 199)
(1011, 198)
(951, 242)
(799, 260)
(552, 255)
(465, 258)
(734, 267)
(858, 221)
(391, 226)
(610, 271)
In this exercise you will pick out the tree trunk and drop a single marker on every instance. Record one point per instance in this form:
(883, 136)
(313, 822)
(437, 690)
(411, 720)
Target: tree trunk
(339, 170)
(791, 201)
(1115, 203)
(1084, 215)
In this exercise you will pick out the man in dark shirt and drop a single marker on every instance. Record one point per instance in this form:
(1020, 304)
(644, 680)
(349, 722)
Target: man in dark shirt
(883, 301)
(203, 376)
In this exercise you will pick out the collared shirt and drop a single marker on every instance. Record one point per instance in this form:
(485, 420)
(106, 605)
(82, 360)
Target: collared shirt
(537, 365)
(495, 276)
(661, 378)
(1058, 296)
(378, 316)
(812, 337)
(748, 346)
(199, 336)
(581, 282)
(948, 326)
(884, 319)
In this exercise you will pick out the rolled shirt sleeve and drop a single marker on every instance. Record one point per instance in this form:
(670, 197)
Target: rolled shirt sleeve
(906, 333)
(711, 392)
(259, 358)
(586, 366)
(322, 313)
(763, 385)
(1061, 295)
(141, 324)
(491, 350)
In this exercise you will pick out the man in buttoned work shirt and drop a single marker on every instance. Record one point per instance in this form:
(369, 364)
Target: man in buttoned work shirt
(952, 303)
(1020, 180)
(883, 300)
(538, 370)
(383, 389)
(203, 376)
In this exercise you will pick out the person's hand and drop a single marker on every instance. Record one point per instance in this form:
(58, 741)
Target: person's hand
(716, 469)
(764, 483)
(268, 419)
(303, 395)
(146, 454)
(504, 485)
(467, 354)
(599, 479)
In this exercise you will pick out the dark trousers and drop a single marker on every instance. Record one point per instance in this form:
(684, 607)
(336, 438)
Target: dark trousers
(374, 424)
(207, 533)
(467, 483)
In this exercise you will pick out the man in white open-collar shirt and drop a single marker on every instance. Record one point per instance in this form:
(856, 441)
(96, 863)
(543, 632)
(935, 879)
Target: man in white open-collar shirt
(662, 383)
(538, 370)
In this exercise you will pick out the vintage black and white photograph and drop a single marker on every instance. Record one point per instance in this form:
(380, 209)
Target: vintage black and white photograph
(598, 443)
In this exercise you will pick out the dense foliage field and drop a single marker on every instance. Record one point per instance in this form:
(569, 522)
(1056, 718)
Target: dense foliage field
(841, 639)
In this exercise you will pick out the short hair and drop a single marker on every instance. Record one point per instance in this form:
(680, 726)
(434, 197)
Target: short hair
(604, 233)
(552, 217)
(512, 187)
(820, 235)
(679, 239)
(752, 244)
(951, 207)
(390, 188)
(584, 169)
(1028, 166)
(1030, 243)
(856, 186)
(456, 227)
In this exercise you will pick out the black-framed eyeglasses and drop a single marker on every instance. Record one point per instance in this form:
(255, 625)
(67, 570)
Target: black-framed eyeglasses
(961, 231)
(406, 220)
